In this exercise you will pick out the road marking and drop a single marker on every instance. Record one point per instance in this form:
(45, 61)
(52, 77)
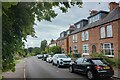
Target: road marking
(24, 71)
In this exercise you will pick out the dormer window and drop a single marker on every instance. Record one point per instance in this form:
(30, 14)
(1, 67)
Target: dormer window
(94, 18)
(62, 34)
(97, 16)
(78, 25)
(68, 32)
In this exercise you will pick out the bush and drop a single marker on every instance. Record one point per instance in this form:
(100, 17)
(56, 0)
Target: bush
(69, 55)
(118, 63)
(94, 55)
(44, 52)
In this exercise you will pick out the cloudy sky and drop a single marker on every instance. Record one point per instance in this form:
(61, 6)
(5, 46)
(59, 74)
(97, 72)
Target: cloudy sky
(51, 30)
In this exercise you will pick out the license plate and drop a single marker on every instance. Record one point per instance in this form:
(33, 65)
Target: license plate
(106, 67)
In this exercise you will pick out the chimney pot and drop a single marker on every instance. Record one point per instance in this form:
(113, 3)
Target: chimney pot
(93, 12)
(113, 5)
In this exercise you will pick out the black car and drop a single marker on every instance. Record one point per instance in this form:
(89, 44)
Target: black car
(45, 57)
(92, 67)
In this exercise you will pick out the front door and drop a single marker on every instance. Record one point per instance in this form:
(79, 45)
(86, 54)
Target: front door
(93, 49)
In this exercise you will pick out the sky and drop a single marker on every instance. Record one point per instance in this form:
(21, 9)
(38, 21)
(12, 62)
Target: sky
(51, 30)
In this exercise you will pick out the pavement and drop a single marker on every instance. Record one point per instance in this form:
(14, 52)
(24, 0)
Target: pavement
(116, 73)
(33, 68)
(19, 71)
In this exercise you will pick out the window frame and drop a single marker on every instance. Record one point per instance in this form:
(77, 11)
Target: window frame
(75, 38)
(102, 34)
(85, 50)
(109, 31)
(86, 35)
(83, 36)
(110, 48)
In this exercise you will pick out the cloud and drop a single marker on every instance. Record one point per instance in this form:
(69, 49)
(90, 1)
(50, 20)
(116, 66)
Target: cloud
(51, 30)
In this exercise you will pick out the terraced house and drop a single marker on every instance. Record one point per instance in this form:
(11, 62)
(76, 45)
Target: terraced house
(100, 33)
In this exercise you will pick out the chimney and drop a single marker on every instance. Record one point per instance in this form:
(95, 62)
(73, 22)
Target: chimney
(93, 12)
(71, 27)
(113, 5)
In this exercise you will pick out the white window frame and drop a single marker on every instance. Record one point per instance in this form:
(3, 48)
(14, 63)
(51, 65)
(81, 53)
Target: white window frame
(83, 36)
(87, 48)
(75, 38)
(103, 47)
(102, 32)
(86, 35)
(109, 31)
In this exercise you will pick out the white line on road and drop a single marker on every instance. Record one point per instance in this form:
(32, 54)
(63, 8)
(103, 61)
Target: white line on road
(24, 71)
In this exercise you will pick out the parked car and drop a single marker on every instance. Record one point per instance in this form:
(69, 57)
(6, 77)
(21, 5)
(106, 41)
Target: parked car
(39, 56)
(49, 58)
(45, 57)
(61, 60)
(92, 67)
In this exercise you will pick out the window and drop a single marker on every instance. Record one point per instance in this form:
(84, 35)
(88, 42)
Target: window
(83, 36)
(85, 48)
(107, 49)
(68, 32)
(95, 18)
(79, 60)
(62, 34)
(86, 61)
(78, 25)
(99, 61)
(75, 38)
(109, 31)
(102, 32)
(87, 35)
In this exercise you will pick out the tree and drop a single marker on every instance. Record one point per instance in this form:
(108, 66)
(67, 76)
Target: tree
(17, 22)
(43, 45)
(55, 49)
(36, 50)
(30, 49)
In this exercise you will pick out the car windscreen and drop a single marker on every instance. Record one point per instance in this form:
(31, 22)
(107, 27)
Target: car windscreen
(62, 56)
(98, 62)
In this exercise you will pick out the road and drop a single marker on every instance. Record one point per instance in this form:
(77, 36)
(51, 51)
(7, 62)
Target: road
(36, 68)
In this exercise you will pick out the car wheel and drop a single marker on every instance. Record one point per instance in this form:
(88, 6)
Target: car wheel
(90, 75)
(58, 65)
(53, 63)
(71, 69)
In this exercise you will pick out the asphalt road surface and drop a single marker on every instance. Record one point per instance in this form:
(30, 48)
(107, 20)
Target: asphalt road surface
(36, 68)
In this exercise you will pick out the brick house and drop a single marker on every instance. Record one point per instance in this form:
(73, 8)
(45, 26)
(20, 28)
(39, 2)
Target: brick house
(63, 40)
(100, 33)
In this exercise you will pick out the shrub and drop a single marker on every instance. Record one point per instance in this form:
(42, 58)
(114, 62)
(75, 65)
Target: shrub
(44, 52)
(118, 63)
(94, 55)
(69, 55)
